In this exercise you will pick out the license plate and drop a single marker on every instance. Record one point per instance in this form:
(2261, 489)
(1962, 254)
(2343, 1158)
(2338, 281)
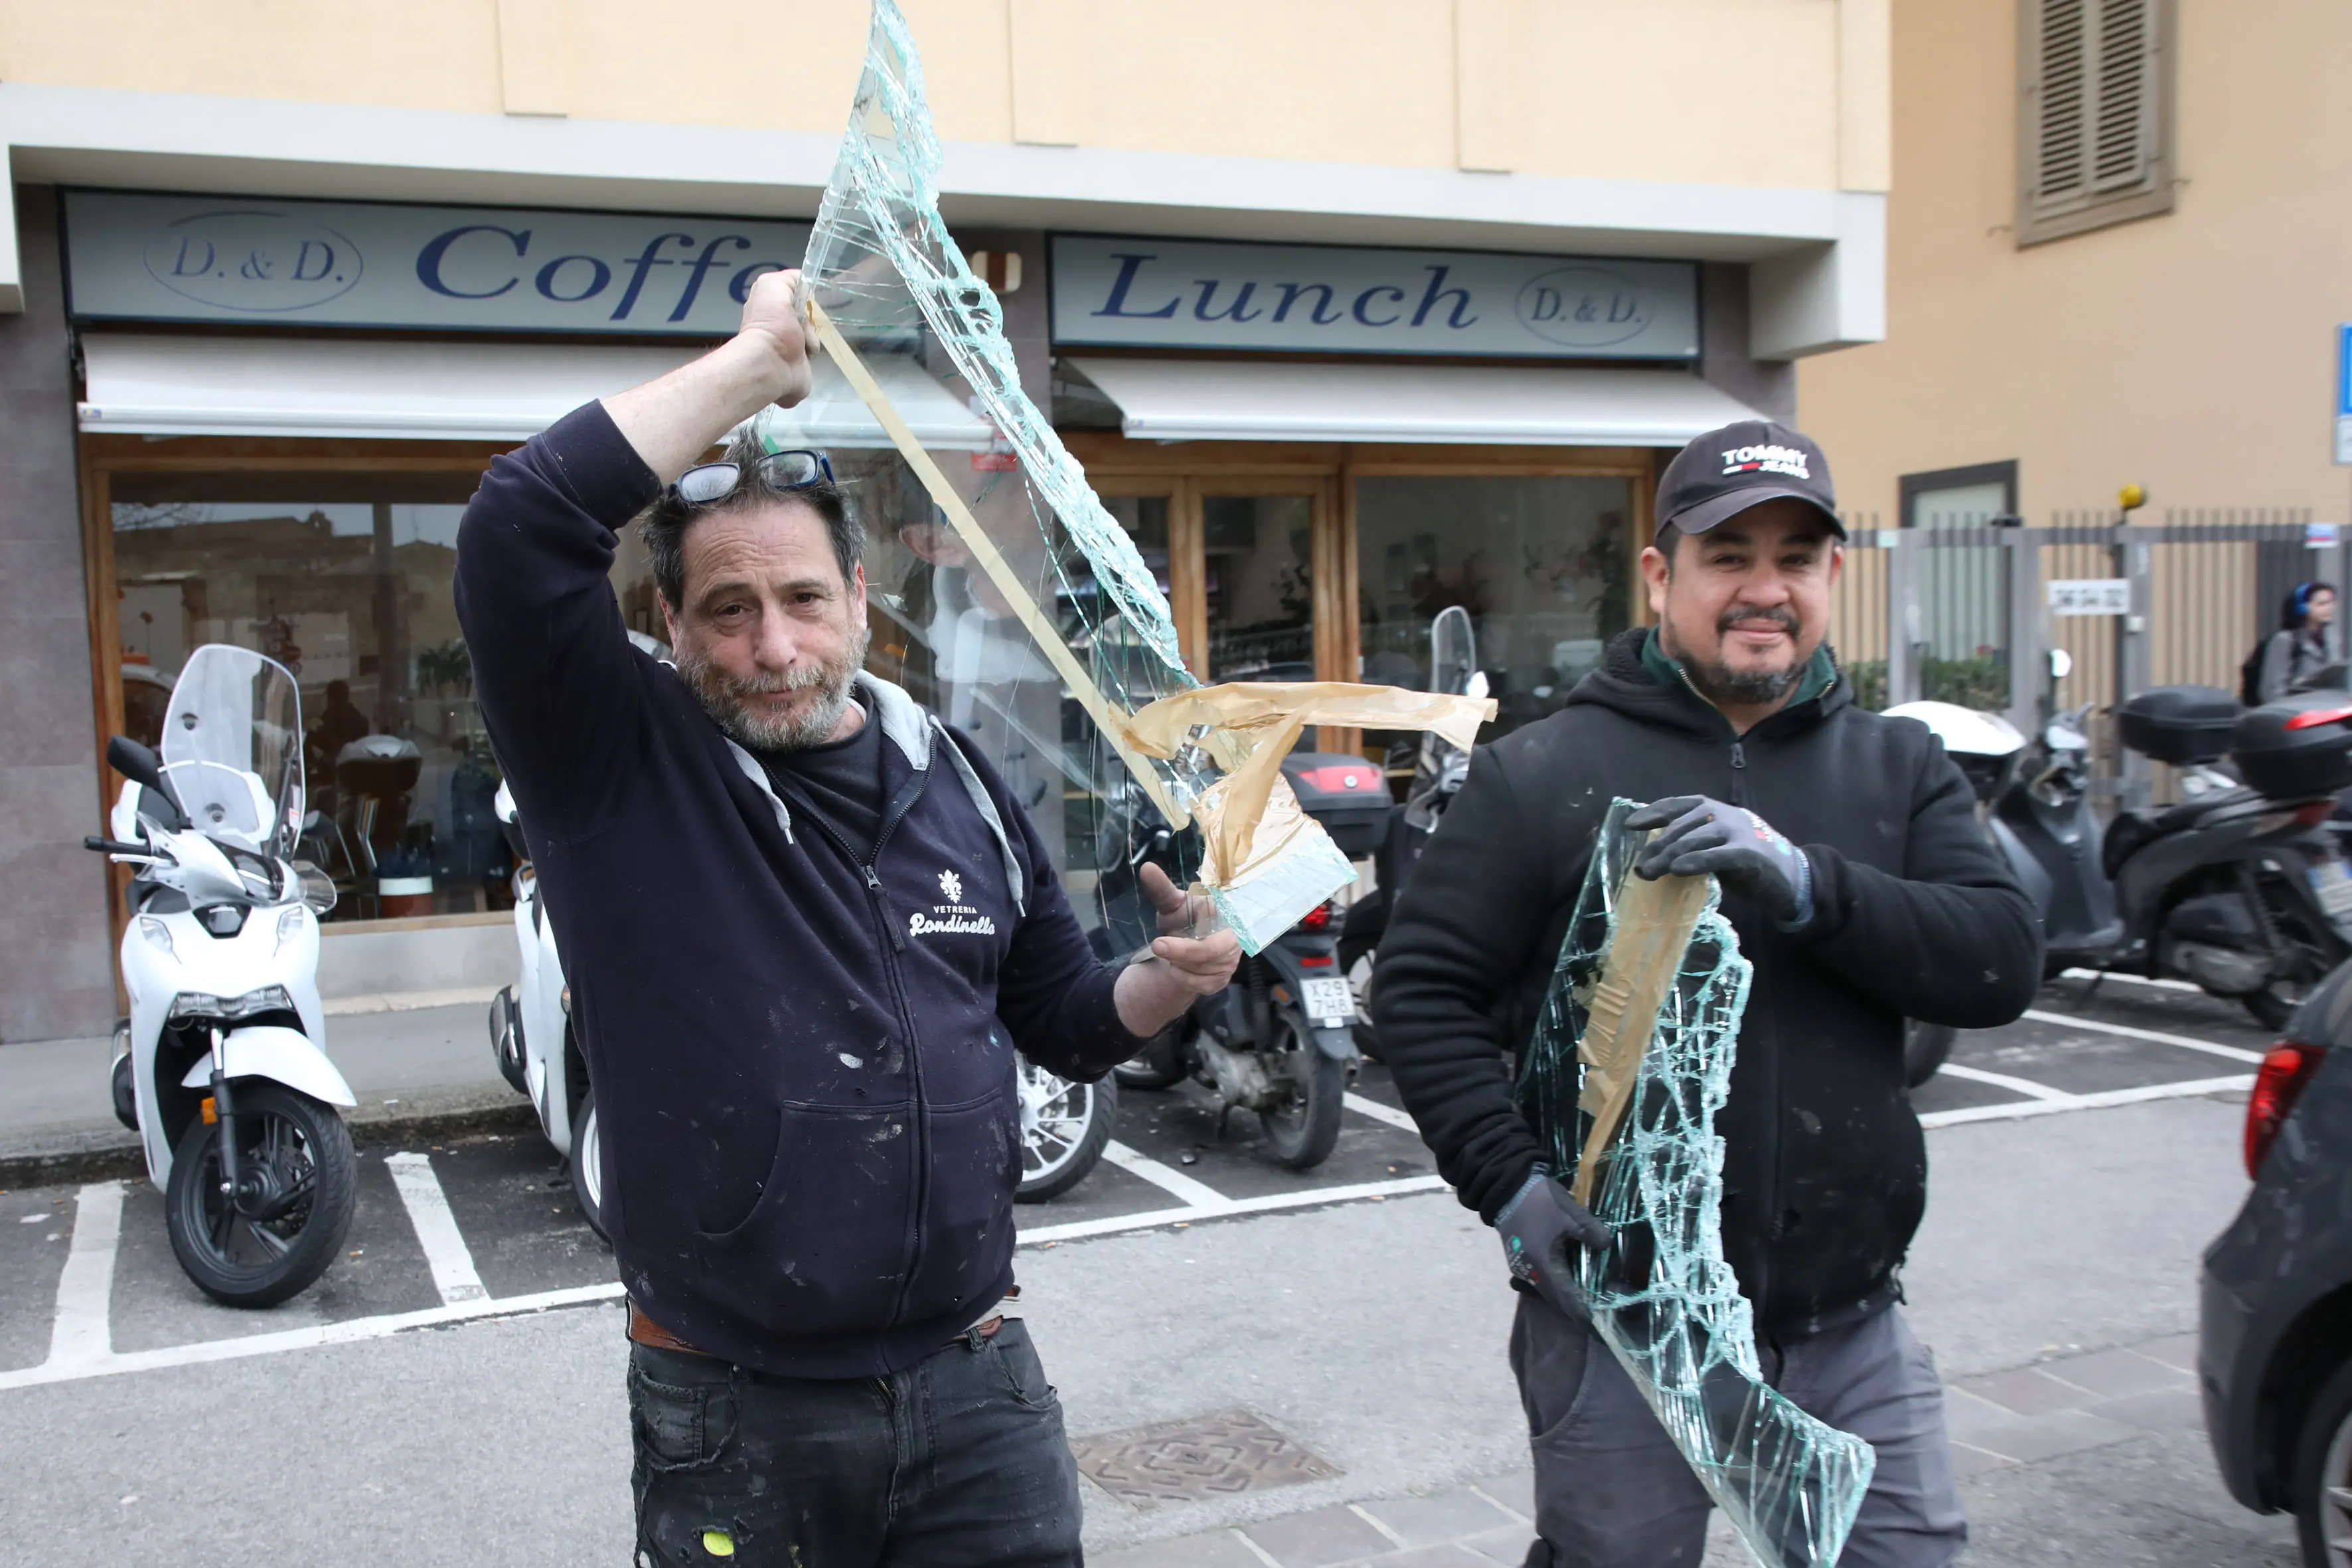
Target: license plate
(2332, 887)
(1328, 1000)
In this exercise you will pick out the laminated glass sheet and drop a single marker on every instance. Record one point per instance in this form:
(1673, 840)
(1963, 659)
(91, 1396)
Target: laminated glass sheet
(1662, 1296)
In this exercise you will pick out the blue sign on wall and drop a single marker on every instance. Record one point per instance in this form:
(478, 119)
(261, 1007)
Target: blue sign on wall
(2344, 394)
(138, 258)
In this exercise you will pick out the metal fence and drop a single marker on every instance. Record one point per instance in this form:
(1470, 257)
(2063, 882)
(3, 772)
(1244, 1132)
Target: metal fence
(1961, 610)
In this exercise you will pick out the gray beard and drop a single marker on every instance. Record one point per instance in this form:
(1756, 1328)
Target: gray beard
(726, 700)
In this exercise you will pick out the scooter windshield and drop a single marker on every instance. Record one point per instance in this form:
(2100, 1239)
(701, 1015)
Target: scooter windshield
(233, 747)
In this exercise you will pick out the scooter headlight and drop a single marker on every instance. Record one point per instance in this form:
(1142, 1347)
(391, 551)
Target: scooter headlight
(158, 935)
(190, 1006)
(289, 923)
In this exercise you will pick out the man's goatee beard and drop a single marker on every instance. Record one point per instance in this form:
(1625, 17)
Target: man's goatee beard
(728, 699)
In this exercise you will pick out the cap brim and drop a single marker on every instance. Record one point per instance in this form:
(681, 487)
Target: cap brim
(1708, 514)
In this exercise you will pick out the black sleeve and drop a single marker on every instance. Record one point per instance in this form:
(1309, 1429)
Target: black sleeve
(554, 671)
(1953, 939)
(1479, 903)
(1052, 993)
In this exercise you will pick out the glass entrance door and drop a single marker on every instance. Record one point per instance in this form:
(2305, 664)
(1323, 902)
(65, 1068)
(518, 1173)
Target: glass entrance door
(1261, 586)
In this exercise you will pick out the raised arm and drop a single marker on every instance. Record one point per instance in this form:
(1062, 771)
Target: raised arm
(554, 671)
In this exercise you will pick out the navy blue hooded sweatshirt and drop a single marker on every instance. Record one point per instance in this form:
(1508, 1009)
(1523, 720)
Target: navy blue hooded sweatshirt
(804, 1067)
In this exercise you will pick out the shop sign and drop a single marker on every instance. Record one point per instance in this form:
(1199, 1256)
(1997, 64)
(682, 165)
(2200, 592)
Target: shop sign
(141, 257)
(1162, 293)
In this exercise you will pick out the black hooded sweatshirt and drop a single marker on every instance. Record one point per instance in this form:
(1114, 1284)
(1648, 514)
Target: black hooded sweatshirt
(1914, 916)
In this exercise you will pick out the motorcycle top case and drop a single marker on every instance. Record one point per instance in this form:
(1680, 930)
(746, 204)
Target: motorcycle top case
(2179, 724)
(2280, 752)
(1346, 793)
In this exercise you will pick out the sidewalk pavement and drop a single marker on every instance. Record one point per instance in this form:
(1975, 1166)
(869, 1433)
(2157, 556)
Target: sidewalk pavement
(420, 1057)
(1999, 1421)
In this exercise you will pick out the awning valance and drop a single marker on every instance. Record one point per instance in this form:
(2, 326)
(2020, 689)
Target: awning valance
(390, 389)
(1260, 400)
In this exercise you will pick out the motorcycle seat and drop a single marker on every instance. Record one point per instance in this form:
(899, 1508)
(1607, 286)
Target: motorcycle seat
(2133, 831)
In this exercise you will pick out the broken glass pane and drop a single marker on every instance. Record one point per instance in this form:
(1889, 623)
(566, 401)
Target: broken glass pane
(1009, 599)
(1662, 1296)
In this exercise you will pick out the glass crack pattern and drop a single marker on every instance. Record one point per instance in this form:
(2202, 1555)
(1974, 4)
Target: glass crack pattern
(1663, 1298)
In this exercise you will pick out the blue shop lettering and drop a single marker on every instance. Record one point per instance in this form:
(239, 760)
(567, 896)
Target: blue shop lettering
(1449, 303)
(571, 279)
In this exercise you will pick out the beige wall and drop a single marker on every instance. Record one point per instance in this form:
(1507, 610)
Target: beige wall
(2191, 353)
(1741, 92)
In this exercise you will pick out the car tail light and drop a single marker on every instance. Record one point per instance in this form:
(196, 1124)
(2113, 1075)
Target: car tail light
(2277, 1085)
(1317, 919)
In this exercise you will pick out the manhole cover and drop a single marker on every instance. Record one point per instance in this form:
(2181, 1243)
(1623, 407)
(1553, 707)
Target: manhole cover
(1203, 1457)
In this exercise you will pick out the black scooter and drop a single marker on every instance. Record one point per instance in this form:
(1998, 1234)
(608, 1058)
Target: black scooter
(2238, 888)
(1278, 1039)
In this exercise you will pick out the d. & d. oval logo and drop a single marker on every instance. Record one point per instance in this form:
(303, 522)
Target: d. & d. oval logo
(1585, 307)
(253, 260)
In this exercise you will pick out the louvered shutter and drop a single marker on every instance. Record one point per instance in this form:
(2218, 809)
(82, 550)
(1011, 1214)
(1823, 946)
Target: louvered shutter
(2093, 123)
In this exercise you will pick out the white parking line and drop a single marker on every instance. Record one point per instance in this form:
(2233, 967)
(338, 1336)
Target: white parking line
(2023, 1086)
(446, 1252)
(1167, 1178)
(2131, 979)
(2016, 1109)
(2071, 1021)
(82, 1332)
(1379, 1112)
(1225, 1208)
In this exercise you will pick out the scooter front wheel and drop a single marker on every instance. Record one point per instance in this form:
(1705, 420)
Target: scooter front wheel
(298, 1179)
(588, 1166)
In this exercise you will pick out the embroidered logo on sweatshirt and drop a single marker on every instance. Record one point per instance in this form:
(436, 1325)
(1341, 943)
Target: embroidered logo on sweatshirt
(954, 918)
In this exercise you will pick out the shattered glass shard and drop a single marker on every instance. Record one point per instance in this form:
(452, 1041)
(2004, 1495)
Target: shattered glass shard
(1663, 1298)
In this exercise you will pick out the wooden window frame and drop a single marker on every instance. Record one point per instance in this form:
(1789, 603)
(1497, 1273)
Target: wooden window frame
(2038, 222)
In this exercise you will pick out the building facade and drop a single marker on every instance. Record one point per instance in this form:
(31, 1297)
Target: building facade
(2113, 257)
(1354, 310)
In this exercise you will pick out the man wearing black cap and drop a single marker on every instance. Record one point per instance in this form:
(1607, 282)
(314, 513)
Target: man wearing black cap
(1862, 889)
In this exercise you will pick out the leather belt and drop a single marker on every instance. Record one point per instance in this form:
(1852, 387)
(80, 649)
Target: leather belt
(644, 1331)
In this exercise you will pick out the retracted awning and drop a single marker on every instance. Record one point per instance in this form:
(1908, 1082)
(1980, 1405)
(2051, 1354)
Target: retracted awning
(1258, 400)
(406, 390)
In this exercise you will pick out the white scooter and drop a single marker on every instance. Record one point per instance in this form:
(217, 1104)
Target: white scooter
(531, 1036)
(222, 1069)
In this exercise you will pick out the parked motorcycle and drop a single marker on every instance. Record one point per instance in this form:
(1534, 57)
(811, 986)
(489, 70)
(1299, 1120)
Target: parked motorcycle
(1438, 771)
(221, 1069)
(1279, 1040)
(2239, 889)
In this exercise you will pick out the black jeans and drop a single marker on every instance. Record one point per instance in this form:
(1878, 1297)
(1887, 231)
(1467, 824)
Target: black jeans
(958, 1459)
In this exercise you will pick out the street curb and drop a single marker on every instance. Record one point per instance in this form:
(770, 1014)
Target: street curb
(118, 1162)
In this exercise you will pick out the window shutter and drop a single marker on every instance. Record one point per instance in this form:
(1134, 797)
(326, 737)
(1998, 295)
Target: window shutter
(2063, 100)
(2093, 117)
(2123, 138)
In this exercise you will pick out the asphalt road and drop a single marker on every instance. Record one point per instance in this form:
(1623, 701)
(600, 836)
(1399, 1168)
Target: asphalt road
(460, 1401)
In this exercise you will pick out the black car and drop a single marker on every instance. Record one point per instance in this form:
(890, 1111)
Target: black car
(2275, 1357)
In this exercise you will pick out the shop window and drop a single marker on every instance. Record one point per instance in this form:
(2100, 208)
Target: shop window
(346, 582)
(1544, 565)
(1259, 579)
(2094, 128)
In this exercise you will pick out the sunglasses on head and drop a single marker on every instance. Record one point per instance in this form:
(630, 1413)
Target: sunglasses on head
(793, 470)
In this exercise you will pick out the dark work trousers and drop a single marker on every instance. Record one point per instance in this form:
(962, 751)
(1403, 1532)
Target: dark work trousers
(1613, 1491)
(959, 1459)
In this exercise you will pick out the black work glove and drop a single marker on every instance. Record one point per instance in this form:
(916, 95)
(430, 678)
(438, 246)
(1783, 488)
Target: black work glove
(1537, 1227)
(1738, 847)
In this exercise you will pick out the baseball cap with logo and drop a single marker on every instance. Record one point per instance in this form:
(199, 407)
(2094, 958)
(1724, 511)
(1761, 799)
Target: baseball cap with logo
(1724, 472)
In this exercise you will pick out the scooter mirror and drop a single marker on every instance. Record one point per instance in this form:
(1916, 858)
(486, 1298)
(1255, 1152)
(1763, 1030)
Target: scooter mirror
(2062, 663)
(143, 768)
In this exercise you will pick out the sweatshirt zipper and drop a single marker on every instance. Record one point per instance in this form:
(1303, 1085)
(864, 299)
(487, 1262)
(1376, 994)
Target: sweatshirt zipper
(918, 1135)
